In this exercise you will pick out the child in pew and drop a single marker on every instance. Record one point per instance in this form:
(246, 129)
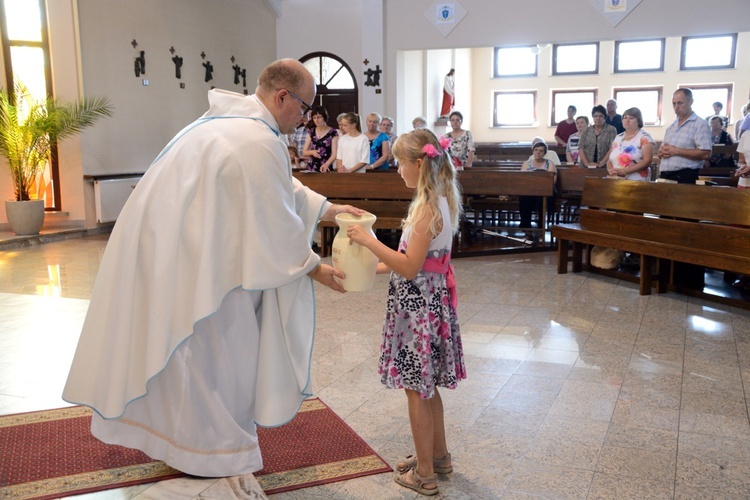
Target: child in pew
(353, 152)
(421, 344)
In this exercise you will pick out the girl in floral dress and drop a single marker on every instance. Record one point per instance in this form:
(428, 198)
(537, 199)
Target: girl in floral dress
(421, 345)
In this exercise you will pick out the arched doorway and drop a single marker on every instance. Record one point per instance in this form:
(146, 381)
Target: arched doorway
(337, 87)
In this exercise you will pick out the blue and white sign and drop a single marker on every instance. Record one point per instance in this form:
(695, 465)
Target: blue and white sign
(445, 16)
(446, 13)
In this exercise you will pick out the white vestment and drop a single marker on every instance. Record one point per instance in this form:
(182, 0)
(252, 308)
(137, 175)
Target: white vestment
(201, 320)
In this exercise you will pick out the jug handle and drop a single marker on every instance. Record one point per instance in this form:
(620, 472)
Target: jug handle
(356, 249)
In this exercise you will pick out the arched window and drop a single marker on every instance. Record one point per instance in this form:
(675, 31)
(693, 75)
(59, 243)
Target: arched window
(337, 87)
(23, 24)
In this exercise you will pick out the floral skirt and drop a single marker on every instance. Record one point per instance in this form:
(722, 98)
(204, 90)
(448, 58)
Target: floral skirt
(421, 345)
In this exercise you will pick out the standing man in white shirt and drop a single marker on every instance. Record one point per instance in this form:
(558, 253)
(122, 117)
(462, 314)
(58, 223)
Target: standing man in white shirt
(687, 142)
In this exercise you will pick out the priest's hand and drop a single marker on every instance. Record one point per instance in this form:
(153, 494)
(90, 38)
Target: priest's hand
(332, 212)
(325, 274)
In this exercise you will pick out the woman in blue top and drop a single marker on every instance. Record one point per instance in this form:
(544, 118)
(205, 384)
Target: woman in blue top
(380, 145)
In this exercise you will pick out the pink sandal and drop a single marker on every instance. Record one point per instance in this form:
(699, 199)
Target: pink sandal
(417, 482)
(441, 465)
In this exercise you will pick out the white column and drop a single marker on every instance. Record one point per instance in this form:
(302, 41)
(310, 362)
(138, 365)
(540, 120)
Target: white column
(371, 98)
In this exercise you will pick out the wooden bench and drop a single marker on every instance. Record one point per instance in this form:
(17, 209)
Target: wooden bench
(717, 171)
(384, 195)
(482, 188)
(513, 151)
(663, 222)
(570, 189)
(709, 180)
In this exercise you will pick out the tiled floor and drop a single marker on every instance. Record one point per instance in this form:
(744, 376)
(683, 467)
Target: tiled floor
(578, 387)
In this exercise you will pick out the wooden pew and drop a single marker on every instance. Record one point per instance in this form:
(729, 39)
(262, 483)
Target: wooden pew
(482, 188)
(717, 171)
(384, 195)
(514, 151)
(505, 182)
(570, 189)
(662, 222)
(709, 180)
(497, 164)
(388, 198)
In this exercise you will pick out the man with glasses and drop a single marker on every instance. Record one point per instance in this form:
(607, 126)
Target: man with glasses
(201, 320)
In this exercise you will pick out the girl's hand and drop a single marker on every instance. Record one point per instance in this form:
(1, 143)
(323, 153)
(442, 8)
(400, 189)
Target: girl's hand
(324, 169)
(743, 170)
(314, 152)
(358, 235)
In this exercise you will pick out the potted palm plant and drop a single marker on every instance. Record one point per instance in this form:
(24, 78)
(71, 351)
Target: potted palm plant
(28, 129)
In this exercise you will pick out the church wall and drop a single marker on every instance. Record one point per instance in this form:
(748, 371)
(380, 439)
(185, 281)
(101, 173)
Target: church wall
(336, 26)
(333, 26)
(493, 23)
(92, 55)
(483, 85)
(147, 117)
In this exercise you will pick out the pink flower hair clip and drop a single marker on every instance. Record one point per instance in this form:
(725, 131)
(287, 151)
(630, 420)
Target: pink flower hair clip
(430, 151)
(444, 143)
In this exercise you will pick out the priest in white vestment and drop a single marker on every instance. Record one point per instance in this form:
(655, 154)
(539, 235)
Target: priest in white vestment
(202, 317)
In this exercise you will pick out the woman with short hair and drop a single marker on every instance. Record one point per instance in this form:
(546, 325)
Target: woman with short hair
(719, 136)
(527, 204)
(461, 149)
(571, 149)
(380, 145)
(632, 151)
(596, 140)
(321, 143)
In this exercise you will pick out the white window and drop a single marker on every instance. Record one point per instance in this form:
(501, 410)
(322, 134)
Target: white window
(704, 96)
(646, 99)
(708, 52)
(582, 99)
(641, 55)
(575, 59)
(515, 61)
(329, 72)
(514, 109)
(27, 59)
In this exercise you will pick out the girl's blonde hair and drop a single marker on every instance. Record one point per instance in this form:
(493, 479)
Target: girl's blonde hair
(437, 177)
(353, 119)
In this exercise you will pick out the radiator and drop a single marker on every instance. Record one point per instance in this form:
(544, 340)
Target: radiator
(111, 195)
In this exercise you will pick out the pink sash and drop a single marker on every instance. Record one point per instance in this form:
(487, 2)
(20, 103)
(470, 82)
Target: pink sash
(443, 266)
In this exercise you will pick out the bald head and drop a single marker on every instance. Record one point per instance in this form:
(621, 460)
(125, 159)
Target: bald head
(286, 88)
(284, 74)
(611, 107)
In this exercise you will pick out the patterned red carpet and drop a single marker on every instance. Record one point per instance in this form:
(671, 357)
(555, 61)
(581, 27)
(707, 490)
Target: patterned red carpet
(51, 454)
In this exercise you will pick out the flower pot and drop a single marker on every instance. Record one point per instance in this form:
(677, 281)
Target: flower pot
(25, 217)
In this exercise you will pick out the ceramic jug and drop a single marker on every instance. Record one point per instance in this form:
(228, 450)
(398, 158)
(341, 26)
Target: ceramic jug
(357, 262)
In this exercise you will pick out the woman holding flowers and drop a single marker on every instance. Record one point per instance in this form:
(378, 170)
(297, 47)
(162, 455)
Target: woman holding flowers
(632, 151)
